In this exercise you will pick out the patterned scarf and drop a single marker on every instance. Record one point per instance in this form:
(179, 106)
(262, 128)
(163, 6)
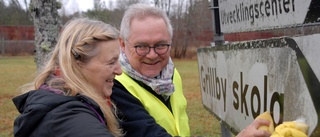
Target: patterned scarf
(161, 84)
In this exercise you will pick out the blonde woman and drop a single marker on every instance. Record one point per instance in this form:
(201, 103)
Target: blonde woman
(70, 96)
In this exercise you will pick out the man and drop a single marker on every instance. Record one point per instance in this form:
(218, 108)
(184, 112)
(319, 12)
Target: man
(149, 93)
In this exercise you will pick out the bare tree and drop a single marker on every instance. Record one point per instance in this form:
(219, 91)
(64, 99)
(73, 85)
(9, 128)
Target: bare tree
(163, 4)
(47, 25)
(191, 19)
(13, 14)
(26, 4)
(179, 32)
(124, 4)
(16, 2)
(117, 11)
(4, 14)
(99, 5)
(111, 5)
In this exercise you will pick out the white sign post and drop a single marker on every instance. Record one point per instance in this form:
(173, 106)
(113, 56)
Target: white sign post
(241, 80)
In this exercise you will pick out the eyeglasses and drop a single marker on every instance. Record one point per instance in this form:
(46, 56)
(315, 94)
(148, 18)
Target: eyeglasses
(144, 49)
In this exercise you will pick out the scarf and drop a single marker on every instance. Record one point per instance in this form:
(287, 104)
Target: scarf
(161, 84)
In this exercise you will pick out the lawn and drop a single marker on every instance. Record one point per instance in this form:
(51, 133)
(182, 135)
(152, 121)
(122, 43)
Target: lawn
(16, 71)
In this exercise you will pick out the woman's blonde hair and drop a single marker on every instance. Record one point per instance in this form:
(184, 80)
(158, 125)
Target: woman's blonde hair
(77, 42)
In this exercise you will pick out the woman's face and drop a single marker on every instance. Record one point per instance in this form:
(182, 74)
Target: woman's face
(103, 67)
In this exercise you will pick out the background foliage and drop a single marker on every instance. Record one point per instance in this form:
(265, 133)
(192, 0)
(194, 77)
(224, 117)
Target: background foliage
(191, 19)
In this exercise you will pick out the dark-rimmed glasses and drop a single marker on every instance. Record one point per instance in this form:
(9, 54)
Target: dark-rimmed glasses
(144, 49)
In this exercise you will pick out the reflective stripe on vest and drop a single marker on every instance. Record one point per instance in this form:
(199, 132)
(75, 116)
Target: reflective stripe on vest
(176, 124)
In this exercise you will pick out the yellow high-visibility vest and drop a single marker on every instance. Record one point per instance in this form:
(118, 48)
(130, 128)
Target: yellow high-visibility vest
(175, 124)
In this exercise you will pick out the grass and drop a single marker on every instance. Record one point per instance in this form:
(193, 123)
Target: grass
(201, 122)
(16, 71)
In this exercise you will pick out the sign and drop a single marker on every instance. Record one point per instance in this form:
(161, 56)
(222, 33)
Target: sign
(251, 15)
(241, 80)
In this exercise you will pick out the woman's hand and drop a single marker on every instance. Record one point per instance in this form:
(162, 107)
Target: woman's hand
(252, 129)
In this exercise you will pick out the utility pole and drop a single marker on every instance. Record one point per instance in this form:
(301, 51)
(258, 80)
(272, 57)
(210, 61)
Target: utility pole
(218, 37)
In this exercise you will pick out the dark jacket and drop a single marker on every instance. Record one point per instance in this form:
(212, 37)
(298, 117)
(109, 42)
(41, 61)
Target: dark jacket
(135, 119)
(47, 114)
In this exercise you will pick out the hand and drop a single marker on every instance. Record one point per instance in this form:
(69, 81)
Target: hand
(252, 129)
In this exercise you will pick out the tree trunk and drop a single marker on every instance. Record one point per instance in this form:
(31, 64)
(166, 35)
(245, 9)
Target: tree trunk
(47, 26)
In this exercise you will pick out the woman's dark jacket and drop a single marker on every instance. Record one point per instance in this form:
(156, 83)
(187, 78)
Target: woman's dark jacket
(47, 114)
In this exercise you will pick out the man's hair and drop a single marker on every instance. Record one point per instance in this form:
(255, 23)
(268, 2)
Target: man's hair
(140, 11)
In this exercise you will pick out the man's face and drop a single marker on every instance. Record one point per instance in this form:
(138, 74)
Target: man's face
(147, 31)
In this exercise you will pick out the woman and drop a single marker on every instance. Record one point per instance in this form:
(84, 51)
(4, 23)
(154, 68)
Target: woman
(70, 96)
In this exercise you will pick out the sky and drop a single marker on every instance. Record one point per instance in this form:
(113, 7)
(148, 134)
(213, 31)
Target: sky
(71, 6)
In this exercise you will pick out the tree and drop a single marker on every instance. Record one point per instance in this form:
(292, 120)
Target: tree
(47, 26)
(13, 14)
(164, 5)
(118, 11)
(100, 12)
(178, 22)
(190, 24)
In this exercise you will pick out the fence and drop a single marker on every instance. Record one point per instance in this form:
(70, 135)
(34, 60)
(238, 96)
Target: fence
(16, 47)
